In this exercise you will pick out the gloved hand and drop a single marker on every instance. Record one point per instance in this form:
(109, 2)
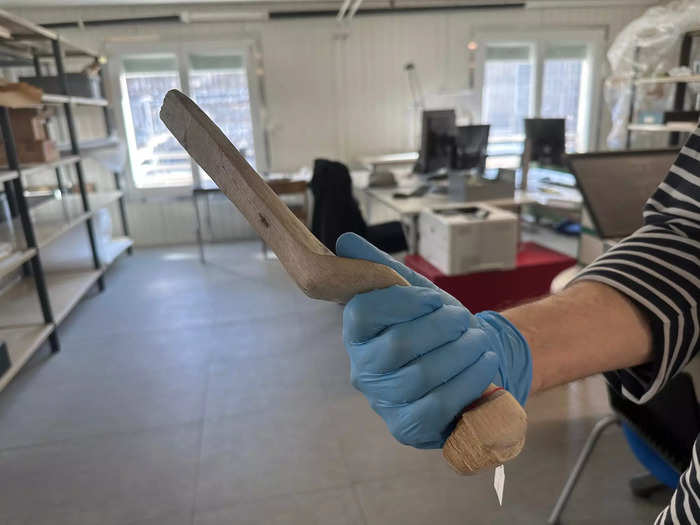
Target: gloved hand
(420, 357)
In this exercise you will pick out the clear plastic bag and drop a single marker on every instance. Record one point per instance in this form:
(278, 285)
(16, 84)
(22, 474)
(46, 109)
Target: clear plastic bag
(112, 159)
(647, 47)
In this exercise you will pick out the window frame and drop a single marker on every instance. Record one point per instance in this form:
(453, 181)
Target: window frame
(591, 76)
(534, 80)
(182, 51)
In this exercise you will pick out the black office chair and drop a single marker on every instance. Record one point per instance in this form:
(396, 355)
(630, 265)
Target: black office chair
(660, 433)
(336, 211)
(471, 143)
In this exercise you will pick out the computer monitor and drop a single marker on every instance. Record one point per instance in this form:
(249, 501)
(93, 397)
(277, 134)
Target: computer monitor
(437, 140)
(546, 139)
(471, 143)
(616, 184)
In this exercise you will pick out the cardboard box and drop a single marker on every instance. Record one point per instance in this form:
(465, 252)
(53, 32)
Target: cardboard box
(19, 94)
(30, 152)
(28, 124)
(459, 239)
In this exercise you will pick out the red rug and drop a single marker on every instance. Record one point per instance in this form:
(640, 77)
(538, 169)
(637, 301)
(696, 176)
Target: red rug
(497, 290)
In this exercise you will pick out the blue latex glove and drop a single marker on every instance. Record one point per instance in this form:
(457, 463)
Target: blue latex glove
(420, 357)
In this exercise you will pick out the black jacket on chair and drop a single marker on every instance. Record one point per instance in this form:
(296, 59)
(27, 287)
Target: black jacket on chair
(336, 211)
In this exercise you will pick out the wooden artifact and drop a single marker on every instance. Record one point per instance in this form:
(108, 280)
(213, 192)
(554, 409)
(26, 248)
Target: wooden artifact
(489, 433)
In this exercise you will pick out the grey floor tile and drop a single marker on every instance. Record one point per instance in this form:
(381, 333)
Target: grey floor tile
(74, 397)
(182, 517)
(421, 498)
(369, 449)
(282, 334)
(263, 455)
(255, 384)
(328, 507)
(106, 480)
(162, 304)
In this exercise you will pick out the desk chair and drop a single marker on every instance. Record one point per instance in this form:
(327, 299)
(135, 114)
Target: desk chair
(660, 433)
(544, 143)
(471, 143)
(336, 211)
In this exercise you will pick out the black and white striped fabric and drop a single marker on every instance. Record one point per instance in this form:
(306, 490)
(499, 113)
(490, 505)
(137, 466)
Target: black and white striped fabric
(658, 267)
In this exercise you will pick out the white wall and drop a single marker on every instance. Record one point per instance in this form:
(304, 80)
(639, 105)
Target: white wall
(335, 96)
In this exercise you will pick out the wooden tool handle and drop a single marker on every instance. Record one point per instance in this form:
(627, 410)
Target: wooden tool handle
(489, 432)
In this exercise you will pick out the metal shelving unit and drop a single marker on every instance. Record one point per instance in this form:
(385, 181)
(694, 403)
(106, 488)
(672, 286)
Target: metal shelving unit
(681, 82)
(682, 127)
(35, 302)
(668, 80)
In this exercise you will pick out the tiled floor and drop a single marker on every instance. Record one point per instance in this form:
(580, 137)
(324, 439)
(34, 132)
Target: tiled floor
(219, 394)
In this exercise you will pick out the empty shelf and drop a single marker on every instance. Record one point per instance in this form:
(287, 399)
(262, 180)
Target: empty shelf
(15, 260)
(22, 342)
(116, 247)
(30, 169)
(48, 98)
(687, 127)
(87, 145)
(19, 304)
(7, 175)
(54, 217)
(668, 80)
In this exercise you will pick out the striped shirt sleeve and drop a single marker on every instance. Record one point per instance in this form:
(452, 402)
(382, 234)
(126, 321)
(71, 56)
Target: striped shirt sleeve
(658, 267)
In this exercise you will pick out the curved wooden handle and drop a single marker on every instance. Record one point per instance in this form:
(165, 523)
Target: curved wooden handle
(489, 432)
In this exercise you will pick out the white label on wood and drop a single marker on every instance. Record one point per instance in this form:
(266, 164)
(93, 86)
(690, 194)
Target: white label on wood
(499, 479)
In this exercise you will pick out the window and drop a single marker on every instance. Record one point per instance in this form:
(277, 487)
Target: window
(545, 75)
(217, 82)
(507, 91)
(157, 159)
(561, 88)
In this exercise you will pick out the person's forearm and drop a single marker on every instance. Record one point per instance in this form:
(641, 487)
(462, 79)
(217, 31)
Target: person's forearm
(586, 329)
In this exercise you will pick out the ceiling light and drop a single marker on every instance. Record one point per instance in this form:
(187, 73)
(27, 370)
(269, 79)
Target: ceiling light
(189, 17)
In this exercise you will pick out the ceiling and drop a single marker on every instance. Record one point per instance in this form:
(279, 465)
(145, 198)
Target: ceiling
(106, 3)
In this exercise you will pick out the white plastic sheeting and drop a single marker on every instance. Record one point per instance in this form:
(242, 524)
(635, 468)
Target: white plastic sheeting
(112, 158)
(72, 250)
(647, 47)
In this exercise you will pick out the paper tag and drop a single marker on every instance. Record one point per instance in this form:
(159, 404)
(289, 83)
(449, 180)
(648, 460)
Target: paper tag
(499, 479)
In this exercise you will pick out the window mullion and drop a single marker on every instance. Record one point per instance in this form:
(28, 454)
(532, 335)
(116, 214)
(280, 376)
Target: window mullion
(184, 72)
(537, 78)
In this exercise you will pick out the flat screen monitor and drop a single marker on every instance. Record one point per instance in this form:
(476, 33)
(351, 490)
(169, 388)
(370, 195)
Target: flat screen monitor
(470, 147)
(437, 140)
(546, 138)
(616, 185)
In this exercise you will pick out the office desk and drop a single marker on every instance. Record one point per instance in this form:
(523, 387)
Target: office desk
(390, 159)
(409, 209)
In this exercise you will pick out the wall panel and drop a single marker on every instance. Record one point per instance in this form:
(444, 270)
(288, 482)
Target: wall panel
(331, 91)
